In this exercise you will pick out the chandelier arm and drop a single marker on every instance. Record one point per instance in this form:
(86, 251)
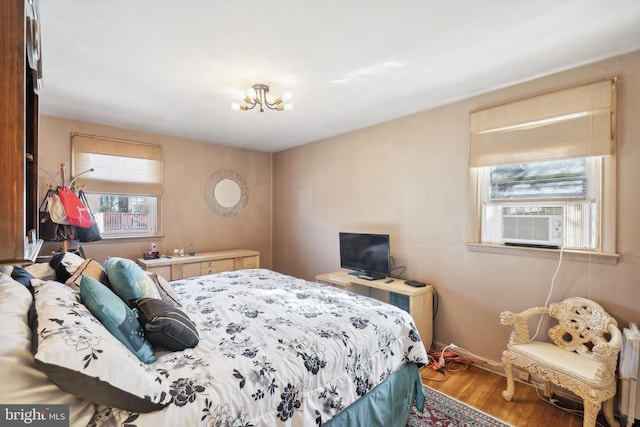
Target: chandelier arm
(274, 105)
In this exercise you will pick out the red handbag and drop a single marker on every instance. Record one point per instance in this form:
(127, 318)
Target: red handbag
(77, 213)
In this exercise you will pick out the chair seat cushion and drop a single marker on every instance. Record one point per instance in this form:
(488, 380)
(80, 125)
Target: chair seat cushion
(558, 359)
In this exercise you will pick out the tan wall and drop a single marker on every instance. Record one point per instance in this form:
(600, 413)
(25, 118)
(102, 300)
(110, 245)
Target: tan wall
(186, 215)
(409, 178)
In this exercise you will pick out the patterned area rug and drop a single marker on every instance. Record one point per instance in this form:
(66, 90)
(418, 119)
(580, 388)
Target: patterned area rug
(443, 411)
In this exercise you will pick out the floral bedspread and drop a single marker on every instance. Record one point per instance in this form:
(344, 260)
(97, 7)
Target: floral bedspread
(275, 351)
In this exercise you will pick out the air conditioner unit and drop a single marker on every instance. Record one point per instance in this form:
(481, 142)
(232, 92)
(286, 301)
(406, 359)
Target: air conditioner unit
(539, 225)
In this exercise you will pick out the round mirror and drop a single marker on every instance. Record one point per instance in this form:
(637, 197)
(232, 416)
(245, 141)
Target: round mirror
(226, 193)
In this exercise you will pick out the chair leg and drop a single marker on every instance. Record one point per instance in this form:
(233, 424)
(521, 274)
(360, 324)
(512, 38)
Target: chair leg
(508, 393)
(591, 410)
(608, 413)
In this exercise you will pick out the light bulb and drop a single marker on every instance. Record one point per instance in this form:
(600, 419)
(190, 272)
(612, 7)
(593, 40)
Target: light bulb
(235, 106)
(286, 96)
(288, 107)
(251, 93)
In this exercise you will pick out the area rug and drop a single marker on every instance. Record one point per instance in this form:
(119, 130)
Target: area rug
(443, 411)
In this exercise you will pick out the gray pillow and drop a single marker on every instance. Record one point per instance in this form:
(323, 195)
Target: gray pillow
(165, 325)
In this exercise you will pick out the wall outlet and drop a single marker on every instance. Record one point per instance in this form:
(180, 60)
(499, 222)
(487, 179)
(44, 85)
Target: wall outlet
(523, 375)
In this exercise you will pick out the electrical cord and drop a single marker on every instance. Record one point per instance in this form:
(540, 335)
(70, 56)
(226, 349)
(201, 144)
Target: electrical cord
(445, 361)
(394, 268)
(436, 302)
(553, 283)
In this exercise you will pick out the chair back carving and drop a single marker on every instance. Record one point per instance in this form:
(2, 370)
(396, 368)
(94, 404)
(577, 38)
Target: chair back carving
(583, 327)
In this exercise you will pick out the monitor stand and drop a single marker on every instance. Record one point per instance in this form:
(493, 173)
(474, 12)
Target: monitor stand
(367, 276)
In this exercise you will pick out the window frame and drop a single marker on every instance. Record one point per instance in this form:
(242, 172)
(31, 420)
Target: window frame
(106, 187)
(539, 146)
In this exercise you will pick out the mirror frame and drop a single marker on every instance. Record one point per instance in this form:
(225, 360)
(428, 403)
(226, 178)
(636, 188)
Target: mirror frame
(210, 193)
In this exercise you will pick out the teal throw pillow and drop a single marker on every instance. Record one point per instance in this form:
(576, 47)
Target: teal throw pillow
(128, 280)
(114, 314)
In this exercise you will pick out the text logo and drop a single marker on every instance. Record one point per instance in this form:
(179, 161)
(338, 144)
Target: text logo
(34, 415)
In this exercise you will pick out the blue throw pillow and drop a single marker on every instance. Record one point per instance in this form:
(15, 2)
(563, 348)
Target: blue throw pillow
(128, 280)
(114, 314)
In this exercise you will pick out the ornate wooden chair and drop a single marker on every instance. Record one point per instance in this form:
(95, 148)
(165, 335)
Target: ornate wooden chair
(582, 356)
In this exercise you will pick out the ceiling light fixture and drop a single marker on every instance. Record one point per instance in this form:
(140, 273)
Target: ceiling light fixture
(257, 95)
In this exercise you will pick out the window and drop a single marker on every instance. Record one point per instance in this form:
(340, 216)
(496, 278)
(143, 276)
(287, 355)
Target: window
(558, 190)
(124, 216)
(543, 170)
(556, 179)
(125, 187)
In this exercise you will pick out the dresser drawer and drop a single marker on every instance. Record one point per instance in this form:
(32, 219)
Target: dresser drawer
(164, 271)
(191, 269)
(210, 267)
(247, 262)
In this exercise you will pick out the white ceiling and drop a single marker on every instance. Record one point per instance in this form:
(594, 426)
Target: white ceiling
(174, 66)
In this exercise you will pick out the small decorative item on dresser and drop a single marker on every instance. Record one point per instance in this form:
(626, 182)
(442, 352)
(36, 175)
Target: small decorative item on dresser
(191, 251)
(151, 255)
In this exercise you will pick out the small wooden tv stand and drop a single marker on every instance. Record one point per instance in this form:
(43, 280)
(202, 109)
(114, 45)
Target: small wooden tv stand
(420, 299)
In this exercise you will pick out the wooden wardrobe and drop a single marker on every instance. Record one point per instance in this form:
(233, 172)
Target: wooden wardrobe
(19, 35)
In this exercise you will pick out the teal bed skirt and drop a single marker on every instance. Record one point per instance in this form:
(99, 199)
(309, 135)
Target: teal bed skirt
(388, 404)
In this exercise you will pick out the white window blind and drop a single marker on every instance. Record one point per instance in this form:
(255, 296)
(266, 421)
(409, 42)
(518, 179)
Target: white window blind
(569, 123)
(120, 166)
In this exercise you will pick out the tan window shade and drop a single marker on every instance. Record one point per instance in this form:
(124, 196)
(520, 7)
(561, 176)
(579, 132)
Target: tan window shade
(575, 122)
(119, 166)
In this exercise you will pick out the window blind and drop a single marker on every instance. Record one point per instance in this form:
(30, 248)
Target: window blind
(574, 122)
(120, 167)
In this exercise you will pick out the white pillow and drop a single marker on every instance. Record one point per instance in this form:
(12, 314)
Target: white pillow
(22, 382)
(84, 358)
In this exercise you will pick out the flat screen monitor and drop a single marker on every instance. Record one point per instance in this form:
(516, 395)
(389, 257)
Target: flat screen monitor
(368, 255)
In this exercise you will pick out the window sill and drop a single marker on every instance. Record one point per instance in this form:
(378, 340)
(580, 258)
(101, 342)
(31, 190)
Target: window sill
(130, 237)
(567, 254)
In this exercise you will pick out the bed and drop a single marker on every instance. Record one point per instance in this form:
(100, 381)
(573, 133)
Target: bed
(272, 350)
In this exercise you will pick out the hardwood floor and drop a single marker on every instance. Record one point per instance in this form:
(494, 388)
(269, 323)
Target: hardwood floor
(482, 389)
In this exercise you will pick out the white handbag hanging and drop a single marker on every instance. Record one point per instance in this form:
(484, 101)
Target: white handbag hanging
(56, 210)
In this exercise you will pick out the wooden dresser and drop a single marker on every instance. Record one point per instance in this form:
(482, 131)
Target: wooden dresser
(181, 267)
